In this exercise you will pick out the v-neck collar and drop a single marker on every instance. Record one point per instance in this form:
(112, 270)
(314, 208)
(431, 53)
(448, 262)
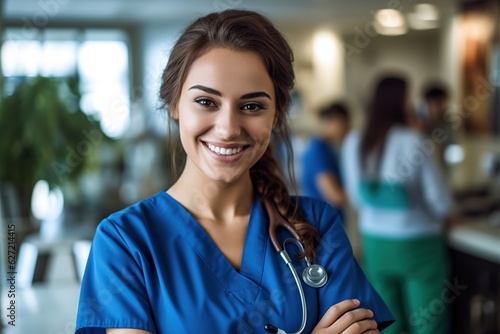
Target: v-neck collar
(246, 283)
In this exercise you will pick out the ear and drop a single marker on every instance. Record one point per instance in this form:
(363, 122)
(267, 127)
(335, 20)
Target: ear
(174, 114)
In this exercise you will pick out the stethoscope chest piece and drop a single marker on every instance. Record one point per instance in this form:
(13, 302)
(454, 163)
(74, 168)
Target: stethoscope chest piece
(315, 276)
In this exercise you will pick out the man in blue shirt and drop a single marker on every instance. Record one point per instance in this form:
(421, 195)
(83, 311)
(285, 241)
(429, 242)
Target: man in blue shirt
(321, 176)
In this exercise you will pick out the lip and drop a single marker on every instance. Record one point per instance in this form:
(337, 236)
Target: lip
(228, 159)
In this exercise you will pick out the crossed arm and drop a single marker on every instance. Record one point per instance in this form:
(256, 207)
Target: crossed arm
(342, 318)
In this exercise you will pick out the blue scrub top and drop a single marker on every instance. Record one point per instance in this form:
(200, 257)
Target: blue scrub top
(320, 157)
(153, 267)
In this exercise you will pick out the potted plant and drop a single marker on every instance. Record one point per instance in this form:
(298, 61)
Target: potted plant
(44, 136)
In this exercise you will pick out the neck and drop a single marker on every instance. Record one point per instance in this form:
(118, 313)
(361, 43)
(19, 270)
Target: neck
(331, 137)
(326, 137)
(215, 200)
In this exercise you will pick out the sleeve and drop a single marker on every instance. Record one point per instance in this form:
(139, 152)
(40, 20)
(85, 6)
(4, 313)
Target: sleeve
(319, 159)
(346, 278)
(435, 190)
(113, 293)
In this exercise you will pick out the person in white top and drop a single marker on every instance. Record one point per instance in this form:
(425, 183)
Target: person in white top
(393, 181)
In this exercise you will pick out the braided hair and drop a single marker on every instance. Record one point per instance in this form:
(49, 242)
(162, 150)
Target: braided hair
(243, 30)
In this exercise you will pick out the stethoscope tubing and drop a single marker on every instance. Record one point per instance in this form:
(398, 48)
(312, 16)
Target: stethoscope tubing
(288, 261)
(302, 298)
(318, 277)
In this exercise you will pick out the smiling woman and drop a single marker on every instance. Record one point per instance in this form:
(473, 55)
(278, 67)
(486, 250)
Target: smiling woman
(199, 257)
(227, 103)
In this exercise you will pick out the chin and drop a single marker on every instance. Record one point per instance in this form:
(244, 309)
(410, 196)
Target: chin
(226, 178)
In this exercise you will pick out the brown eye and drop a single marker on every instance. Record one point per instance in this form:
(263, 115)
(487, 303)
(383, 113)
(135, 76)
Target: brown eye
(253, 107)
(206, 103)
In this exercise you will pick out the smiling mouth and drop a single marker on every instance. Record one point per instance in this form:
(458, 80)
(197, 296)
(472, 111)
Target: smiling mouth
(224, 150)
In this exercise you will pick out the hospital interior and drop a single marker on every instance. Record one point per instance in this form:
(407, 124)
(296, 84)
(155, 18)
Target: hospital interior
(79, 82)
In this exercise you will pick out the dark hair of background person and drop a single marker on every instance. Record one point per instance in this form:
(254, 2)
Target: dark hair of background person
(387, 108)
(242, 30)
(334, 110)
(434, 91)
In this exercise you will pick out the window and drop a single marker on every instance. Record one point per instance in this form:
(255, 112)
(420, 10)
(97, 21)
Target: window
(99, 57)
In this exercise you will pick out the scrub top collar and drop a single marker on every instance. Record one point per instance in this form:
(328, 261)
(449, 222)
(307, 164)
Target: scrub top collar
(245, 284)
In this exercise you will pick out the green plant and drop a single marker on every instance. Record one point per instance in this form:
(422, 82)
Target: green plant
(40, 125)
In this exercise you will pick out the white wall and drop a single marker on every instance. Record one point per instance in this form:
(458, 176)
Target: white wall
(415, 55)
(420, 55)
(319, 72)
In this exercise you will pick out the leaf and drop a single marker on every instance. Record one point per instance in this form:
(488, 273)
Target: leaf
(39, 123)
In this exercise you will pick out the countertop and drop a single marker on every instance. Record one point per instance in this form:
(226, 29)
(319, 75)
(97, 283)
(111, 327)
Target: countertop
(477, 237)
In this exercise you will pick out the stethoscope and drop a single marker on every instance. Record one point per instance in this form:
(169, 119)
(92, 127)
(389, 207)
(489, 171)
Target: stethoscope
(313, 275)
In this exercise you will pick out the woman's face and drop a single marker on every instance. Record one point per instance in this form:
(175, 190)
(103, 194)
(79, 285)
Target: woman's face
(226, 112)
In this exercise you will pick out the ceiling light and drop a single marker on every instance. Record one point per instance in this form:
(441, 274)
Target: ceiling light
(324, 47)
(427, 12)
(425, 16)
(390, 18)
(390, 22)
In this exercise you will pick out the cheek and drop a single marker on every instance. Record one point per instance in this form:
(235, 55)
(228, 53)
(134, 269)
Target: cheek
(262, 133)
(266, 128)
(190, 130)
(191, 124)
(187, 140)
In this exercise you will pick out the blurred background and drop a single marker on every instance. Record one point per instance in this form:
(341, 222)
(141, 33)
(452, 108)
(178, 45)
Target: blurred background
(82, 133)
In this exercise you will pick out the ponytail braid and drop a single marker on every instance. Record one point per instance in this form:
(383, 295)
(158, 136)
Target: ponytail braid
(244, 30)
(268, 181)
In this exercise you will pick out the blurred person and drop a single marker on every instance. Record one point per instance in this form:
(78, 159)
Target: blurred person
(321, 175)
(203, 255)
(432, 121)
(394, 183)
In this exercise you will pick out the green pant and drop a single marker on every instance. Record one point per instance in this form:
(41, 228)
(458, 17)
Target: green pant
(411, 275)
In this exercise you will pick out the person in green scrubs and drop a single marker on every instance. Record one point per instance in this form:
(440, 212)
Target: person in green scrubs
(393, 181)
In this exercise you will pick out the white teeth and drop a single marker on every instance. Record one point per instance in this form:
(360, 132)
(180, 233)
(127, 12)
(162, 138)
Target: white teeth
(224, 151)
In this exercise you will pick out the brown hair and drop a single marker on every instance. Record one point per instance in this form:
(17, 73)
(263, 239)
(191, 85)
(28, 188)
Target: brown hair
(387, 109)
(243, 30)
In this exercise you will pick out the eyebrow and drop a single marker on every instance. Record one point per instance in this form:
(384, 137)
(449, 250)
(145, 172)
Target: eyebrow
(244, 96)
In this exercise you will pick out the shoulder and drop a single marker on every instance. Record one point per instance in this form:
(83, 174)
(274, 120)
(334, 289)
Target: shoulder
(350, 145)
(141, 209)
(140, 220)
(405, 135)
(318, 213)
(352, 139)
(327, 221)
(354, 134)
(316, 143)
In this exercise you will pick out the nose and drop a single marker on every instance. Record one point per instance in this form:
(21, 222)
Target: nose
(228, 123)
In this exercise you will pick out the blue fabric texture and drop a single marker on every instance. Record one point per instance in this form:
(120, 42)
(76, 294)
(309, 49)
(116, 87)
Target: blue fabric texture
(153, 267)
(319, 158)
